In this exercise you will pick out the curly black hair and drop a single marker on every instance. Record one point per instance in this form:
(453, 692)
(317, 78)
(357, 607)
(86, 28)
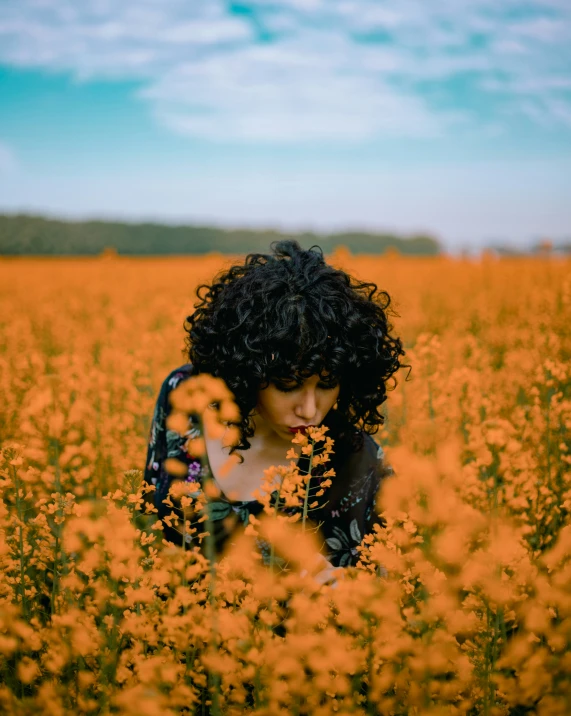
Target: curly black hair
(288, 315)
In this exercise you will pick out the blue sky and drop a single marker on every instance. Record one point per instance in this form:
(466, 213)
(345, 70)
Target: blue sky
(443, 116)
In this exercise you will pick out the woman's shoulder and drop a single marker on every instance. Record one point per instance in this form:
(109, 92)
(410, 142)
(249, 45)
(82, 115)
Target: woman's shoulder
(354, 450)
(372, 448)
(170, 382)
(175, 377)
(369, 459)
(371, 452)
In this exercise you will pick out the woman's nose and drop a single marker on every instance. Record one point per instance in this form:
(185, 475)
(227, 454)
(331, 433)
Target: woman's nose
(306, 406)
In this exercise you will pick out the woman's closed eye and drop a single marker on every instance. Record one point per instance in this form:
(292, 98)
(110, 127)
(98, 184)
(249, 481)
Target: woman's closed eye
(290, 387)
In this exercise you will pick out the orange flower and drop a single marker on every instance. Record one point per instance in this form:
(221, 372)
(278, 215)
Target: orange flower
(459, 603)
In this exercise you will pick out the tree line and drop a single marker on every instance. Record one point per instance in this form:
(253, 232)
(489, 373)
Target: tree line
(23, 234)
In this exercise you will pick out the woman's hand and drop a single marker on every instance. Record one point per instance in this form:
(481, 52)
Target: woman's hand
(326, 575)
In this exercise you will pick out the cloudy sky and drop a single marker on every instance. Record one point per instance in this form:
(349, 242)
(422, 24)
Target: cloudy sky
(448, 116)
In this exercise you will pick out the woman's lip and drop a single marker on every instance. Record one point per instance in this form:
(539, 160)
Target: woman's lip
(300, 428)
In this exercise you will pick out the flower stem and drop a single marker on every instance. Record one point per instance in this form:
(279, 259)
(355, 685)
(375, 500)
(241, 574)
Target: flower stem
(306, 500)
(213, 678)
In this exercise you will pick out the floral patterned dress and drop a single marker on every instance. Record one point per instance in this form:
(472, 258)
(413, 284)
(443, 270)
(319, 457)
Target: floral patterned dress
(345, 513)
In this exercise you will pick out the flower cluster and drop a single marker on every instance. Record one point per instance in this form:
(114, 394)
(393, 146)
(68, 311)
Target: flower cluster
(461, 604)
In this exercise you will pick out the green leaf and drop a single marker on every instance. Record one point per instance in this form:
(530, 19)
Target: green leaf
(218, 510)
(334, 543)
(354, 530)
(243, 513)
(341, 535)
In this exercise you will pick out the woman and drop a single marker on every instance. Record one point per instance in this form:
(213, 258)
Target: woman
(298, 343)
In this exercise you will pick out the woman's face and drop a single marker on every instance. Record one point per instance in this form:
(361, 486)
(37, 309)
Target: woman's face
(291, 405)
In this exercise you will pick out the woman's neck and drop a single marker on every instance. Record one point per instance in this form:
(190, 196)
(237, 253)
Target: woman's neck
(266, 436)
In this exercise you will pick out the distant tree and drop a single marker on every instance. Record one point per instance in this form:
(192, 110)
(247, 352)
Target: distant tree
(34, 235)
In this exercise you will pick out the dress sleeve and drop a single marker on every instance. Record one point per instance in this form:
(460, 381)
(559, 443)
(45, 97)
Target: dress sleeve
(381, 472)
(352, 511)
(163, 444)
(156, 448)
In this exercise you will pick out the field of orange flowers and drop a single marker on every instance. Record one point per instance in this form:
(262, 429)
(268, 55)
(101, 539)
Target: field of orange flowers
(462, 605)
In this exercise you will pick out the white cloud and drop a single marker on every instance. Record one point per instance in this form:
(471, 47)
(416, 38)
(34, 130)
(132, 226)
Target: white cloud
(205, 75)
(140, 38)
(288, 92)
(543, 30)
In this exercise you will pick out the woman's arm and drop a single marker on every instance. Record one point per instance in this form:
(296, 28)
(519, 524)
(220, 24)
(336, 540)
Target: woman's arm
(381, 471)
(163, 444)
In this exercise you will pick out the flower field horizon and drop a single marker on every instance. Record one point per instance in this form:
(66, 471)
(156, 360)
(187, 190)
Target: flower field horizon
(460, 605)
